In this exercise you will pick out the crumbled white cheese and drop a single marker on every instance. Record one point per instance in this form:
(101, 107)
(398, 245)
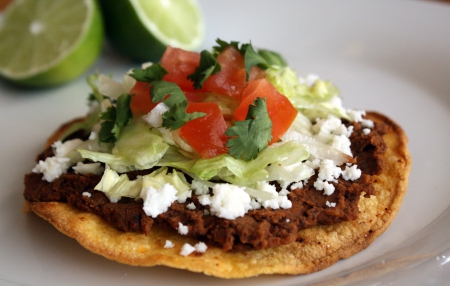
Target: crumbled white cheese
(331, 205)
(327, 188)
(283, 192)
(154, 117)
(279, 202)
(205, 200)
(169, 244)
(343, 130)
(254, 205)
(63, 149)
(191, 206)
(267, 196)
(187, 249)
(52, 168)
(313, 164)
(328, 171)
(229, 201)
(297, 185)
(356, 115)
(367, 123)
(366, 131)
(93, 136)
(351, 173)
(288, 220)
(182, 197)
(341, 143)
(90, 168)
(86, 194)
(200, 247)
(327, 126)
(183, 229)
(199, 188)
(158, 201)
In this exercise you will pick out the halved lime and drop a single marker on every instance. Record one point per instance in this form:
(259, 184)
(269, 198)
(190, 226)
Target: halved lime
(141, 29)
(48, 42)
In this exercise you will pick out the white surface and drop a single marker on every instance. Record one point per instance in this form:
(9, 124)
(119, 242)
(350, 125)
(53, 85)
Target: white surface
(390, 56)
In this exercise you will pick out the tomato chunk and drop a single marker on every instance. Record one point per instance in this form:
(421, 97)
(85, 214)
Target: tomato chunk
(179, 64)
(280, 109)
(141, 102)
(231, 79)
(206, 134)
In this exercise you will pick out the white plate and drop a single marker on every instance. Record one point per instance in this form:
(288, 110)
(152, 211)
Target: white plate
(390, 56)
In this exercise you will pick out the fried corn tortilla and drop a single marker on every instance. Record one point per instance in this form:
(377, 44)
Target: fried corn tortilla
(315, 249)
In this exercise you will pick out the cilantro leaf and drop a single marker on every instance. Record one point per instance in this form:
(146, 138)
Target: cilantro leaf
(252, 58)
(172, 96)
(208, 66)
(151, 73)
(272, 58)
(222, 45)
(115, 118)
(252, 135)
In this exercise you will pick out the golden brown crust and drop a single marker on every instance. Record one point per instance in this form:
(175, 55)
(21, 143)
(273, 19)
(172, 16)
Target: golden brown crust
(316, 248)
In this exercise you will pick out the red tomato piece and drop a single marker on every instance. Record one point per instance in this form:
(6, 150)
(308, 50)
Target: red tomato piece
(179, 64)
(193, 96)
(231, 79)
(206, 134)
(141, 101)
(280, 109)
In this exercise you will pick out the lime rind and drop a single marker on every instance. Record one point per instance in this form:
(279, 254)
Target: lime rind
(132, 33)
(169, 33)
(69, 60)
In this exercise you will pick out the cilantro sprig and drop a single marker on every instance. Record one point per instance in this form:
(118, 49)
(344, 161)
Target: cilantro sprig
(208, 66)
(115, 118)
(149, 74)
(252, 135)
(167, 92)
(171, 95)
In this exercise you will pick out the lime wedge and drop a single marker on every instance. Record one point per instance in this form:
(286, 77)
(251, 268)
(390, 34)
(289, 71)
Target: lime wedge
(141, 29)
(49, 42)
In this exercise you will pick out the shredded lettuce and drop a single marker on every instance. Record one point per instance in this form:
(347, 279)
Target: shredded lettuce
(314, 100)
(115, 186)
(139, 145)
(229, 169)
(160, 177)
(137, 148)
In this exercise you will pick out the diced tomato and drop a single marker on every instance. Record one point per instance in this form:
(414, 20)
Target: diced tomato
(231, 79)
(179, 64)
(141, 101)
(280, 109)
(206, 134)
(193, 96)
(256, 73)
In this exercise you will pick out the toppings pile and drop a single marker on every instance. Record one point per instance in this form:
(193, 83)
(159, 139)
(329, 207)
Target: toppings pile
(234, 127)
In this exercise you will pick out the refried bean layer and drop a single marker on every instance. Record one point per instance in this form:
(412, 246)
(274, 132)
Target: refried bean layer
(258, 229)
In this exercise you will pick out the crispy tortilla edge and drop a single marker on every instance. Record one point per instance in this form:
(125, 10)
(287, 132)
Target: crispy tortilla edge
(316, 248)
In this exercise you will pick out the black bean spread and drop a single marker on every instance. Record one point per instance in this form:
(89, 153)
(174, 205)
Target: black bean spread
(258, 229)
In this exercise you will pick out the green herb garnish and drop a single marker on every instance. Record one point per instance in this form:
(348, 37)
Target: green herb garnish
(115, 118)
(167, 92)
(149, 74)
(252, 135)
(208, 66)
(171, 95)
